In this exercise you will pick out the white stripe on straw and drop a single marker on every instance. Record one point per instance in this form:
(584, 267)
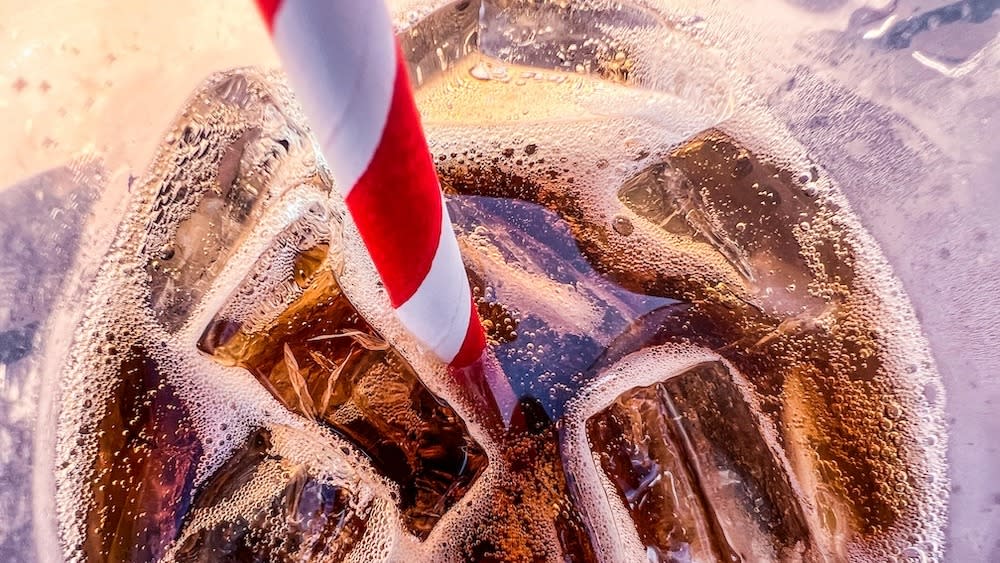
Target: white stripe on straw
(350, 90)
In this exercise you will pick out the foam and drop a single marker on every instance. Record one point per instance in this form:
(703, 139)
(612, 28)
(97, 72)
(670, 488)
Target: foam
(875, 299)
(576, 127)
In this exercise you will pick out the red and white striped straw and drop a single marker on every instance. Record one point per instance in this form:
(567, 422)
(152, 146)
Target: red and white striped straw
(345, 65)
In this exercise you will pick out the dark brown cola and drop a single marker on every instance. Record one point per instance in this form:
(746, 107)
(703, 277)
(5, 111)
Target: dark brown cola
(694, 330)
(322, 360)
(792, 444)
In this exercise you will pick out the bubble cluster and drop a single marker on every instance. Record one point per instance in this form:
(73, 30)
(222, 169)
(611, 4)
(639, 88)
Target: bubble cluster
(787, 263)
(652, 221)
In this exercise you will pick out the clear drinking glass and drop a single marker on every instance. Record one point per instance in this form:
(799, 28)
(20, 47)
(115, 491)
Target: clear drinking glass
(893, 102)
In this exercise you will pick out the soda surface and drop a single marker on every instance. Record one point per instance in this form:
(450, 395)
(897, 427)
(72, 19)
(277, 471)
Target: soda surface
(712, 359)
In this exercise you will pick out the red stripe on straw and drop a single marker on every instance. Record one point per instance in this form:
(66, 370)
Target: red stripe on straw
(396, 203)
(474, 343)
(268, 8)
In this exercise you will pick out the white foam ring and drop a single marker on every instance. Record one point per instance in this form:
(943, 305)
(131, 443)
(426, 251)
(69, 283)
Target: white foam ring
(217, 395)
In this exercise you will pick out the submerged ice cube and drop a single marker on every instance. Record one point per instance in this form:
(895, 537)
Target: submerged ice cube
(699, 471)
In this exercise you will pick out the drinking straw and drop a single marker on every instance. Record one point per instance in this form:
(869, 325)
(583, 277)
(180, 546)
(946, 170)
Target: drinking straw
(346, 68)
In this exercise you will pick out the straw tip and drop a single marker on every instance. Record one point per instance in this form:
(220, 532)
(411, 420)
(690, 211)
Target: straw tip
(488, 385)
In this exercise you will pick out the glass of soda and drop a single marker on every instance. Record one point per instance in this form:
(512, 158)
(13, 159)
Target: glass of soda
(734, 261)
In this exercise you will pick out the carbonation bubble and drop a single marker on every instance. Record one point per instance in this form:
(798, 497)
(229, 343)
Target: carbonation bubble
(710, 357)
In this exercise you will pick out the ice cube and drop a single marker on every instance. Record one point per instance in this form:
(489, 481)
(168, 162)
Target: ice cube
(229, 154)
(292, 327)
(699, 471)
(261, 506)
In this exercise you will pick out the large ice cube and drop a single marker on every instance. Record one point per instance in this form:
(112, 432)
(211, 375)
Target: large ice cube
(699, 473)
